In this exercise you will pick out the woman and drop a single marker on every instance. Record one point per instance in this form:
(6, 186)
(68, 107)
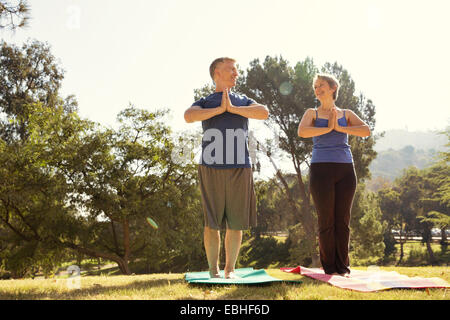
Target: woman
(332, 174)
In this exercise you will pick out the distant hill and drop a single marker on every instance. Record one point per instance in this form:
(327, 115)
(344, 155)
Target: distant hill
(398, 139)
(400, 149)
(390, 163)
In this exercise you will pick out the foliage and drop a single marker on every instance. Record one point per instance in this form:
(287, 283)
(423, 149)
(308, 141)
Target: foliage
(298, 246)
(33, 197)
(263, 252)
(71, 185)
(442, 181)
(274, 213)
(15, 15)
(367, 229)
(28, 74)
(90, 190)
(417, 202)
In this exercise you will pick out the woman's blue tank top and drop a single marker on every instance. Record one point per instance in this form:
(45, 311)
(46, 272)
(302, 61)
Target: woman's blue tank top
(332, 146)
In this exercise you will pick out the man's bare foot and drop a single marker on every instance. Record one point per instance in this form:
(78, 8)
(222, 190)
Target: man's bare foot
(214, 274)
(231, 275)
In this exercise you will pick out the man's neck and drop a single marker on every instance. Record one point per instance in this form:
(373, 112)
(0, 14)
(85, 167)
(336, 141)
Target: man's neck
(220, 88)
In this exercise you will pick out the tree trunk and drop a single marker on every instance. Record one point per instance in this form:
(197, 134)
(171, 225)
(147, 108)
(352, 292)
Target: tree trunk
(79, 259)
(123, 266)
(428, 238)
(121, 262)
(126, 240)
(401, 252)
(430, 253)
(401, 248)
(116, 244)
(444, 242)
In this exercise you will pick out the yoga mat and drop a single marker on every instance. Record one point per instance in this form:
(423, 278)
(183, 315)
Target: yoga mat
(246, 276)
(368, 281)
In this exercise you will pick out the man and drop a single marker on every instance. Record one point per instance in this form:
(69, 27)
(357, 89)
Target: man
(225, 173)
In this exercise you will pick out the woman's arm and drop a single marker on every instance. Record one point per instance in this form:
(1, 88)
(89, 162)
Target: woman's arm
(355, 126)
(306, 127)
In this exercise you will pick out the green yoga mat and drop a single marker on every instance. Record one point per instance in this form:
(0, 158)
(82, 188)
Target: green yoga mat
(246, 276)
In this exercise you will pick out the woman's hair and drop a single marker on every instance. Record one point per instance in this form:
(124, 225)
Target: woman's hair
(214, 64)
(332, 82)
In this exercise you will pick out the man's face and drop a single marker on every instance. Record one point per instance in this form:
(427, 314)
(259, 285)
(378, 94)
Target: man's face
(226, 74)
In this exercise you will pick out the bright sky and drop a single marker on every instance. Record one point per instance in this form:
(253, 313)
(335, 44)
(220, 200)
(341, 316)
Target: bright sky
(155, 53)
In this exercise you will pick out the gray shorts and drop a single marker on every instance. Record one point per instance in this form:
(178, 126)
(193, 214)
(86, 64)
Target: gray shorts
(228, 195)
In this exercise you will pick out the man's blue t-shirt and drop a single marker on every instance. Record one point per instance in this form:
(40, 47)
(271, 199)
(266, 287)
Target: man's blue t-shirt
(225, 136)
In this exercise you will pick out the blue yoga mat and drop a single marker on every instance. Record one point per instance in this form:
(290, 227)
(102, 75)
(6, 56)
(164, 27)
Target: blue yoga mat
(246, 276)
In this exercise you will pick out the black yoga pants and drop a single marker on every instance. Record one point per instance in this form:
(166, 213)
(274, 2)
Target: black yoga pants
(333, 187)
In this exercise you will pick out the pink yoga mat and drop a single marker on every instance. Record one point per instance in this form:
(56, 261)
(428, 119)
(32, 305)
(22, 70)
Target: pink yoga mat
(369, 281)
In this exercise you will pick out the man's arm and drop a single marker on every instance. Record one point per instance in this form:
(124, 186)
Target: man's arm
(253, 111)
(197, 113)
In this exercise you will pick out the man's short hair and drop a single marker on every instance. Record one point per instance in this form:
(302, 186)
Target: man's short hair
(213, 66)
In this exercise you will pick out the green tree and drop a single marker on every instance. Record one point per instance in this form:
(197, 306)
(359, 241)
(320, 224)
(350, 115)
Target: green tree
(265, 206)
(33, 196)
(28, 74)
(390, 205)
(410, 189)
(443, 191)
(435, 211)
(415, 204)
(274, 214)
(73, 185)
(367, 229)
(417, 191)
(131, 177)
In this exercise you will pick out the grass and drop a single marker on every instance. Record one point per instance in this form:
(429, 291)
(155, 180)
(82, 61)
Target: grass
(173, 286)
(107, 284)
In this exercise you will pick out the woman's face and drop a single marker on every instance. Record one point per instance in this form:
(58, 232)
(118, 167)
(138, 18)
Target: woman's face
(322, 89)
